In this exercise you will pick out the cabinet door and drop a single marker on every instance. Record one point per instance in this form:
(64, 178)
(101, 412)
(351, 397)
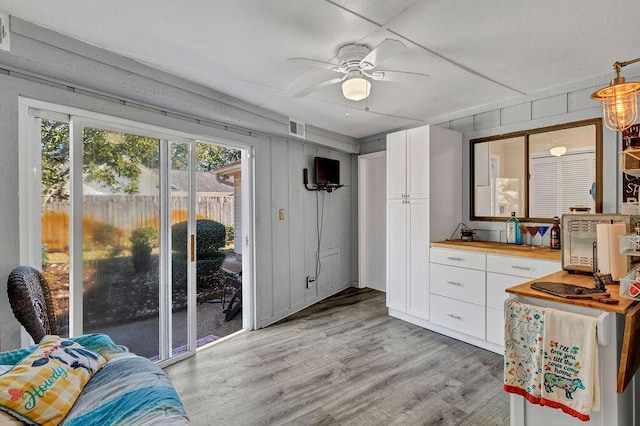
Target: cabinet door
(396, 165)
(495, 326)
(418, 162)
(397, 234)
(496, 286)
(418, 280)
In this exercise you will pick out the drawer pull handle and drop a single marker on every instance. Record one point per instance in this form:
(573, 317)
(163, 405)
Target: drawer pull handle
(458, 317)
(524, 268)
(455, 283)
(458, 259)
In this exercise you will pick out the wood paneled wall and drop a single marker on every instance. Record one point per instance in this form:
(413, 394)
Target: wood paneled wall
(286, 249)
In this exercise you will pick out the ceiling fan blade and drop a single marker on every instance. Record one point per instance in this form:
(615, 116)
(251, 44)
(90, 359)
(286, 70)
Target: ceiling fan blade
(400, 77)
(306, 91)
(381, 53)
(313, 63)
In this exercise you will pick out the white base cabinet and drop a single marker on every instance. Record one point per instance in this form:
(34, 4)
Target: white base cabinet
(468, 292)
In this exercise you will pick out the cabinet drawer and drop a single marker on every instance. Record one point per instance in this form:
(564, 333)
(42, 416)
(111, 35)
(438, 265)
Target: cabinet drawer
(459, 316)
(463, 284)
(521, 266)
(464, 259)
(496, 284)
(495, 326)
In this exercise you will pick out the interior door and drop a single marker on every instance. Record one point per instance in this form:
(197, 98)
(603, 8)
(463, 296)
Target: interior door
(372, 220)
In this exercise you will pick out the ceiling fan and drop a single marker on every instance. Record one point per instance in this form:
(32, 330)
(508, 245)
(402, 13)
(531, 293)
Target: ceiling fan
(358, 66)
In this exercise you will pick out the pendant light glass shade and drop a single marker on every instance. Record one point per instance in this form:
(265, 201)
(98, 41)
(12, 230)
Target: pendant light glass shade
(558, 150)
(356, 88)
(619, 100)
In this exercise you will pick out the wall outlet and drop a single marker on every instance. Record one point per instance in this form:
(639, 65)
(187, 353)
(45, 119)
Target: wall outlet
(310, 281)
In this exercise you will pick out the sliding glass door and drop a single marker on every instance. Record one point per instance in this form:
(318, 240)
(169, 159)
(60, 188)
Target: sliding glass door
(115, 232)
(108, 212)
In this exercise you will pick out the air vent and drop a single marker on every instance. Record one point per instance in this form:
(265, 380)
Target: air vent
(4, 31)
(296, 128)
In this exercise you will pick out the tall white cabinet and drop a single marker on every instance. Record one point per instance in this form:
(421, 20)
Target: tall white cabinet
(424, 204)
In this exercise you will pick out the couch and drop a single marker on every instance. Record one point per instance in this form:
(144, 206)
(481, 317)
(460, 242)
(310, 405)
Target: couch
(125, 389)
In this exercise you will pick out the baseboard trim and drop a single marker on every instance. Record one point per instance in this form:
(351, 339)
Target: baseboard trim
(284, 314)
(481, 343)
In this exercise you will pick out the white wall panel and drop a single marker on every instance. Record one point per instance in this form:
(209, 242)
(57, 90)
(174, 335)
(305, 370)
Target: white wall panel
(486, 120)
(309, 214)
(280, 228)
(515, 114)
(264, 253)
(9, 215)
(580, 100)
(462, 125)
(294, 216)
(547, 107)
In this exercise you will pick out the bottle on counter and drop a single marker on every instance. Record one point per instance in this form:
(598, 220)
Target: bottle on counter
(554, 242)
(513, 230)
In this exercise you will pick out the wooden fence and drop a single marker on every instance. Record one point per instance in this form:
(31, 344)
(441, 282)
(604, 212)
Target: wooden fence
(126, 213)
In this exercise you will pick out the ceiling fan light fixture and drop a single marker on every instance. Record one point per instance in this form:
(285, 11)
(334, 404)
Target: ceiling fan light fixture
(619, 100)
(558, 151)
(356, 88)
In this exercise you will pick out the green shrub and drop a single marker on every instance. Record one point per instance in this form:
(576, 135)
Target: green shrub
(106, 235)
(210, 236)
(142, 239)
(145, 235)
(45, 256)
(231, 233)
(205, 272)
(141, 257)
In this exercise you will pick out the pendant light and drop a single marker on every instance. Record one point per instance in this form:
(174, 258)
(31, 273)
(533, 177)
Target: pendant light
(356, 87)
(558, 150)
(619, 100)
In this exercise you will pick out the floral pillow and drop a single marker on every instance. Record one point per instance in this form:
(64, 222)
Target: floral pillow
(44, 385)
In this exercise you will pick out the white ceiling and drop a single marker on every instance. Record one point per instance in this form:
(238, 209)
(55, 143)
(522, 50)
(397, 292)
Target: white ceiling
(477, 52)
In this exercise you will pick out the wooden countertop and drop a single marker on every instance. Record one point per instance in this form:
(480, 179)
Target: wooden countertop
(525, 289)
(500, 248)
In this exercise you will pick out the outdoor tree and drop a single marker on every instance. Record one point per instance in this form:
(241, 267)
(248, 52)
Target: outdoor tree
(55, 160)
(109, 158)
(208, 157)
(113, 159)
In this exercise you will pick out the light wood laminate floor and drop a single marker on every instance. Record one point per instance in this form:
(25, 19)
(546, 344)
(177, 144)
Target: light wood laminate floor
(342, 361)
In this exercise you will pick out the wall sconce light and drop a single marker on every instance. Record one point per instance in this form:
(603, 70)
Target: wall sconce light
(619, 100)
(558, 150)
(356, 87)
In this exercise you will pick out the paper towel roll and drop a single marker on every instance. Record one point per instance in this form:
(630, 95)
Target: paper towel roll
(610, 261)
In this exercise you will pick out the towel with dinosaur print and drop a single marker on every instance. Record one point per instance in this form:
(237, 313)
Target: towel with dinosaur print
(570, 357)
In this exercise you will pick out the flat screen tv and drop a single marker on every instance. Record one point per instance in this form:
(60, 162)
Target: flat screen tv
(327, 172)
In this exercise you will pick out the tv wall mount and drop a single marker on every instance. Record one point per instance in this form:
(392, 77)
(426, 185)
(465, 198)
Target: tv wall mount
(305, 179)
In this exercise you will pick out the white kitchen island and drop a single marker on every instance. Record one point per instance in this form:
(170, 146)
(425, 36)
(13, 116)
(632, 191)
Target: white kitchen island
(616, 408)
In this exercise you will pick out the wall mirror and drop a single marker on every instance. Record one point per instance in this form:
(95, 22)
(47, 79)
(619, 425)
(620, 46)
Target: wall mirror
(539, 173)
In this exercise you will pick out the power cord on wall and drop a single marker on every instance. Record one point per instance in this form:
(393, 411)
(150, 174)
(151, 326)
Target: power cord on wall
(456, 230)
(319, 222)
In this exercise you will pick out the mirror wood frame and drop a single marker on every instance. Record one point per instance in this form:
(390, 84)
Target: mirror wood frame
(597, 122)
